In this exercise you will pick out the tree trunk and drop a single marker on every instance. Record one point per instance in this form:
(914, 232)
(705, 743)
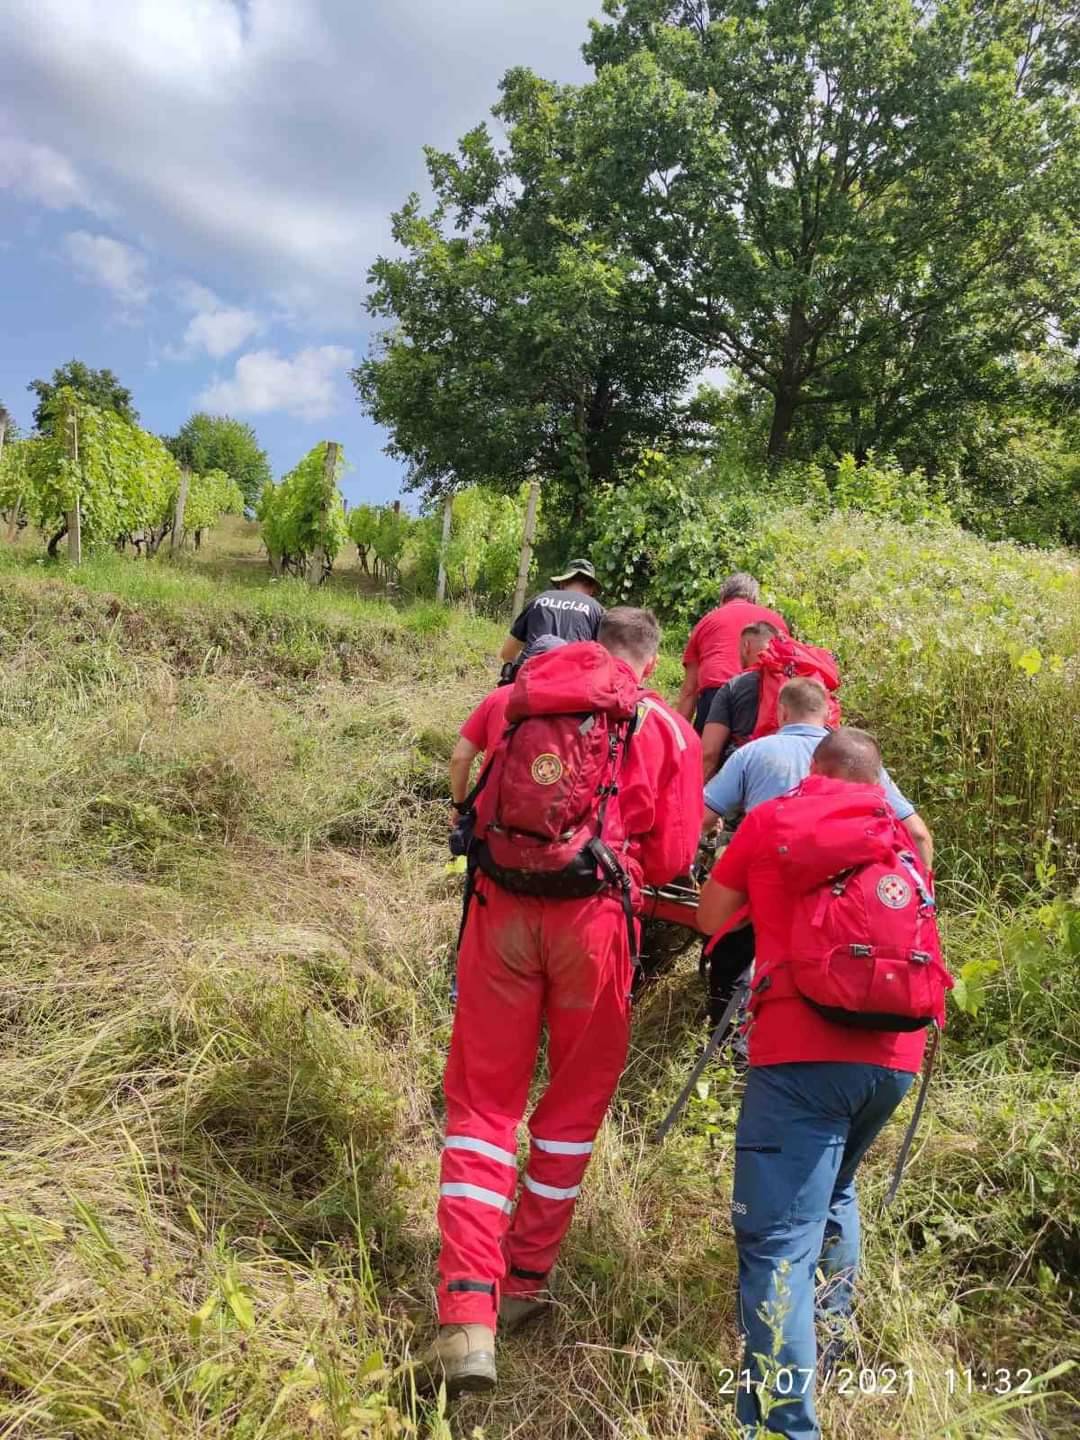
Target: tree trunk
(785, 404)
(54, 543)
(786, 397)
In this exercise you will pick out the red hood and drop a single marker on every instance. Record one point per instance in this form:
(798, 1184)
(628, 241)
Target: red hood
(575, 678)
(845, 792)
(827, 825)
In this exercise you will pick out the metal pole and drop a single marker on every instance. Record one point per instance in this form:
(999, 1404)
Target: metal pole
(738, 998)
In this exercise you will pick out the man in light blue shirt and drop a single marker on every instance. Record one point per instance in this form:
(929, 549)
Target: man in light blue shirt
(775, 764)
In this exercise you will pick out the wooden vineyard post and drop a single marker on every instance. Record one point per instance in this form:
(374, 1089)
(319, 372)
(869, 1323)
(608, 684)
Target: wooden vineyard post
(447, 517)
(74, 520)
(13, 524)
(318, 567)
(74, 516)
(177, 537)
(526, 547)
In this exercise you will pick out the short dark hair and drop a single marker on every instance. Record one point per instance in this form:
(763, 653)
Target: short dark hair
(632, 633)
(804, 696)
(740, 586)
(849, 754)
(760, 630)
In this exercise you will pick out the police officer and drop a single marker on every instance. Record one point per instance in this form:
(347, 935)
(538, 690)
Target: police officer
(569, 610)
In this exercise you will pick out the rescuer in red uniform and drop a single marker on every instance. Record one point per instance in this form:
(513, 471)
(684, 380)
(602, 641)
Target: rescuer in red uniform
(615, 776)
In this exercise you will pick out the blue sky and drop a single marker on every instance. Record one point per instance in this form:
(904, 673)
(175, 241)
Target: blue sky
(191, 191)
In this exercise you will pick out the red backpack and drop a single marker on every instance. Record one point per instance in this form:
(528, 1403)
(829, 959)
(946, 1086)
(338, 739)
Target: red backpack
(545, 824)
(864, 948)
(782, 660)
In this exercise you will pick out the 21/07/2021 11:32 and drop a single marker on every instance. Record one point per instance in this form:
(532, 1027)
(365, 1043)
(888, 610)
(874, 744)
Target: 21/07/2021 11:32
(887, 1380)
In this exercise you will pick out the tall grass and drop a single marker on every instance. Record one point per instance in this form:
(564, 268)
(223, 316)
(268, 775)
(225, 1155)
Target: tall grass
(224, 933)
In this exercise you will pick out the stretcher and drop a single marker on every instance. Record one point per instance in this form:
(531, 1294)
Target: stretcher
(669, 927)
(675, 904)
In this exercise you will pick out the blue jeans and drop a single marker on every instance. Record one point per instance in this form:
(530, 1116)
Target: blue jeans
(803, 1128)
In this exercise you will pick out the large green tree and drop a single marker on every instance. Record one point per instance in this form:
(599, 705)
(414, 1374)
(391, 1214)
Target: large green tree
(519, 342)
(218, 442)
(100, 388)
(861, 206)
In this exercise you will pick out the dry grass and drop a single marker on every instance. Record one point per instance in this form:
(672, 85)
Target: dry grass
(224, 928)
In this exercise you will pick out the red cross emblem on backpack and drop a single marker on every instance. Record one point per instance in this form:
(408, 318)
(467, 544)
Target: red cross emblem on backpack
(894, 891)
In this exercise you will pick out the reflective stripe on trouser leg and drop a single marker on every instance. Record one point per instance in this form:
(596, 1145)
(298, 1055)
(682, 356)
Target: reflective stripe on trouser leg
(550, 1186)
(473, 1215)
(588, 969)
(563, 1147)
(492, 1057)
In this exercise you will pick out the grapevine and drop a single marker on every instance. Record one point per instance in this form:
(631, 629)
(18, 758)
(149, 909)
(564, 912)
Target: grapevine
(303, 518)
(124, 479)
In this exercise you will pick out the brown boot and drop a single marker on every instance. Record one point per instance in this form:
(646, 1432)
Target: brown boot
(464, 1357)
(517, 1310)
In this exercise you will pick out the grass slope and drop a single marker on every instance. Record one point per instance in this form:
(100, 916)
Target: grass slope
(224, 930)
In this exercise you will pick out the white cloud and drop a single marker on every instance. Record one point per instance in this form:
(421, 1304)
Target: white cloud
(266, 141)
(308, 386)
(216, 328)
(193, 296)
(118, 268)
(37, 172)
(219, 332)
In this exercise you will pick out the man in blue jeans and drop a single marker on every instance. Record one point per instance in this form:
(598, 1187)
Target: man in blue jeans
(817, 1095)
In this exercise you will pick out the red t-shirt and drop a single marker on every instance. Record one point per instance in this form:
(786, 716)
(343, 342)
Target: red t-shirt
(488, 721)
(714, 641)
(785, 1029)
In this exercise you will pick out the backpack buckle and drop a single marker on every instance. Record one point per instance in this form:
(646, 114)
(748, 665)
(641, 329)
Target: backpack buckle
(862, 951)
(920, 957)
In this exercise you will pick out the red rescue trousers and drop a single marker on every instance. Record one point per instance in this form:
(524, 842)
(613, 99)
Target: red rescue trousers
(523, 962)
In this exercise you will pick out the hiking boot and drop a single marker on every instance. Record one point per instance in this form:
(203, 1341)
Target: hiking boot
(464, 1357)
(517, 1310)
